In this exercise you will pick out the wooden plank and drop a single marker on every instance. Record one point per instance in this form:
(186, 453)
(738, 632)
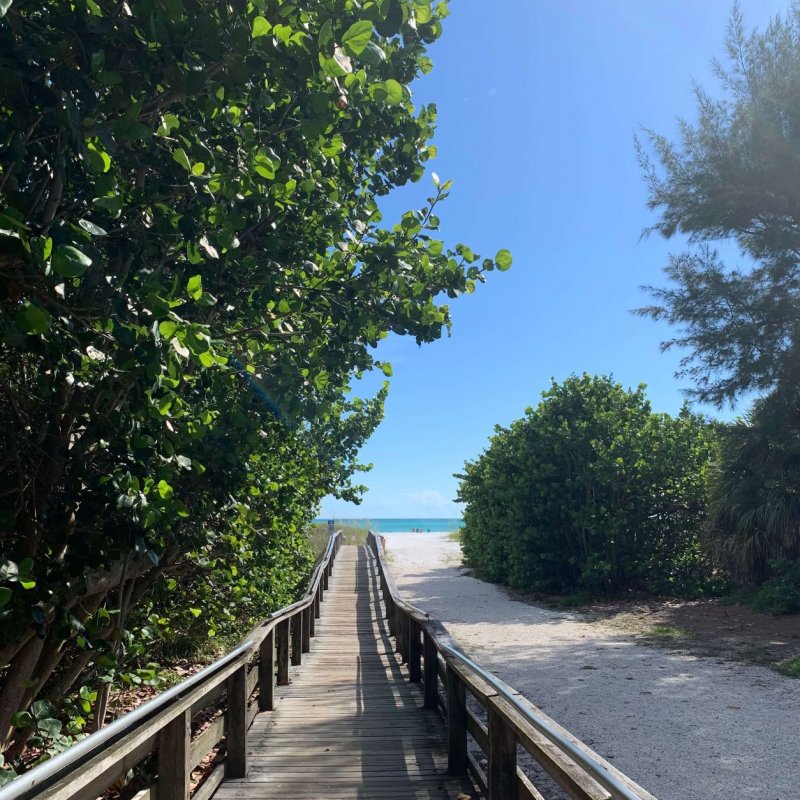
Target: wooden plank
(282, 637)
(174, 766)
(502, 770)
(478, 775)
(252, 680)
(456, 724)
(236, 746)
(478, 731)
(414, 653)
(204, 743)
(266, 673)
(296, 624)
(349, 724)
(430, 671)
(206, 791)
(525, 789)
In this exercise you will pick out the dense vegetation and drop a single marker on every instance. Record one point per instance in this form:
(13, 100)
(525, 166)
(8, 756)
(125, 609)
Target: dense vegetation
(734, 176)
(590, 491)
(193, 270)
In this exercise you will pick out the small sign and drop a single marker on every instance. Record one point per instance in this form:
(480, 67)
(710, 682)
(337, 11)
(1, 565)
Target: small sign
(330, 527)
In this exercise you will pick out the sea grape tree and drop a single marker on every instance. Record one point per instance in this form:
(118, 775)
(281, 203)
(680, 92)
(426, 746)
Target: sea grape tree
(193, 269)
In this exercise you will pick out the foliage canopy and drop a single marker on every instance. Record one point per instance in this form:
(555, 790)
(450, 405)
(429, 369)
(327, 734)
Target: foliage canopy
(590, 491)
(735, 176)
(193, 270)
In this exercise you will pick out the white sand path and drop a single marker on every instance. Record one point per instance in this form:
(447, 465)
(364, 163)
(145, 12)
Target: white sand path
(685, 727)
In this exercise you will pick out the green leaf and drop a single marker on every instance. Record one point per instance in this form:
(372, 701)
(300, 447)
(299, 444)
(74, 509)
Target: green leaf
(325, 37)
(195, 612)
(260, 27)
(422, 11)
(266, 163)
(181, 158)
(70, 262)
(90, 227)
(503, 260)
(334, 147)
(22, 719)
(389, 92)
(356, 37)
(169, 123)
(42, 709)
(112, 204)
(4, 6)
(98, 160)
(165, 490)
(167, 328)
(194, 287)
(5, 596)
(32, 319)
(373, 54)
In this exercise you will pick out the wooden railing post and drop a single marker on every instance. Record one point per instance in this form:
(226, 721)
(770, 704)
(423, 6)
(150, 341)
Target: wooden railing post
(391, 615)
(317, 601)
(236, 748)
(305, 624)
(414, 652)
(282, 630)
(431, 676)
(266, 673)
(297, 636)
(456, 724)
(325, 574)
(502, 769)
(174, 745)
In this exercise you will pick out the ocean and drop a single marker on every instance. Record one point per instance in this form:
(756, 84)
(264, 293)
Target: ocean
(397, 525)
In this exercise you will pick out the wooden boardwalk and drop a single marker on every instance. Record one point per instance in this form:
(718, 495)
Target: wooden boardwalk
(349, 725)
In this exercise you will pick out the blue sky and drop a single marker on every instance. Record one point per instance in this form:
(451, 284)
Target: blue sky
(539, 101)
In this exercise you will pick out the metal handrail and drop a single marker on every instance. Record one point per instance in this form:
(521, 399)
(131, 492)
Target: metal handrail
(57, 767)
(594, 767)
(49, 770)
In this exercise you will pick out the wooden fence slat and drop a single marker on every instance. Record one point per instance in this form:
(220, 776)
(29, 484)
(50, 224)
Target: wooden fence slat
(204, 743)
(297, 635)
(174, 748)
(305, 634)
(266, 673)
(431, 671)
(502, 770)
(206, 791)
(456, 724)
(236, 749)
(414, 653)
(282, 634)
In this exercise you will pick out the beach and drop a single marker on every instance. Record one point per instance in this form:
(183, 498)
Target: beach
(685, 727)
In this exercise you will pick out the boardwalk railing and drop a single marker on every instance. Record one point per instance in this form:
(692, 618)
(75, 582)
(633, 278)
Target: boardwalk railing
(512, 721)
(163, 725)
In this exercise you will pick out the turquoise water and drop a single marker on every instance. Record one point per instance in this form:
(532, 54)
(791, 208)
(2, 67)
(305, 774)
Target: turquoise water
(432, 524)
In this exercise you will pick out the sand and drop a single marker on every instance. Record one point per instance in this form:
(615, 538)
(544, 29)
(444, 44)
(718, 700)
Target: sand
(685, 727)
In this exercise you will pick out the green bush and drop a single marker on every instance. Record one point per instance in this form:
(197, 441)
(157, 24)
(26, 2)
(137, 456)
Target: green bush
(780, 593)
(591, 491)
